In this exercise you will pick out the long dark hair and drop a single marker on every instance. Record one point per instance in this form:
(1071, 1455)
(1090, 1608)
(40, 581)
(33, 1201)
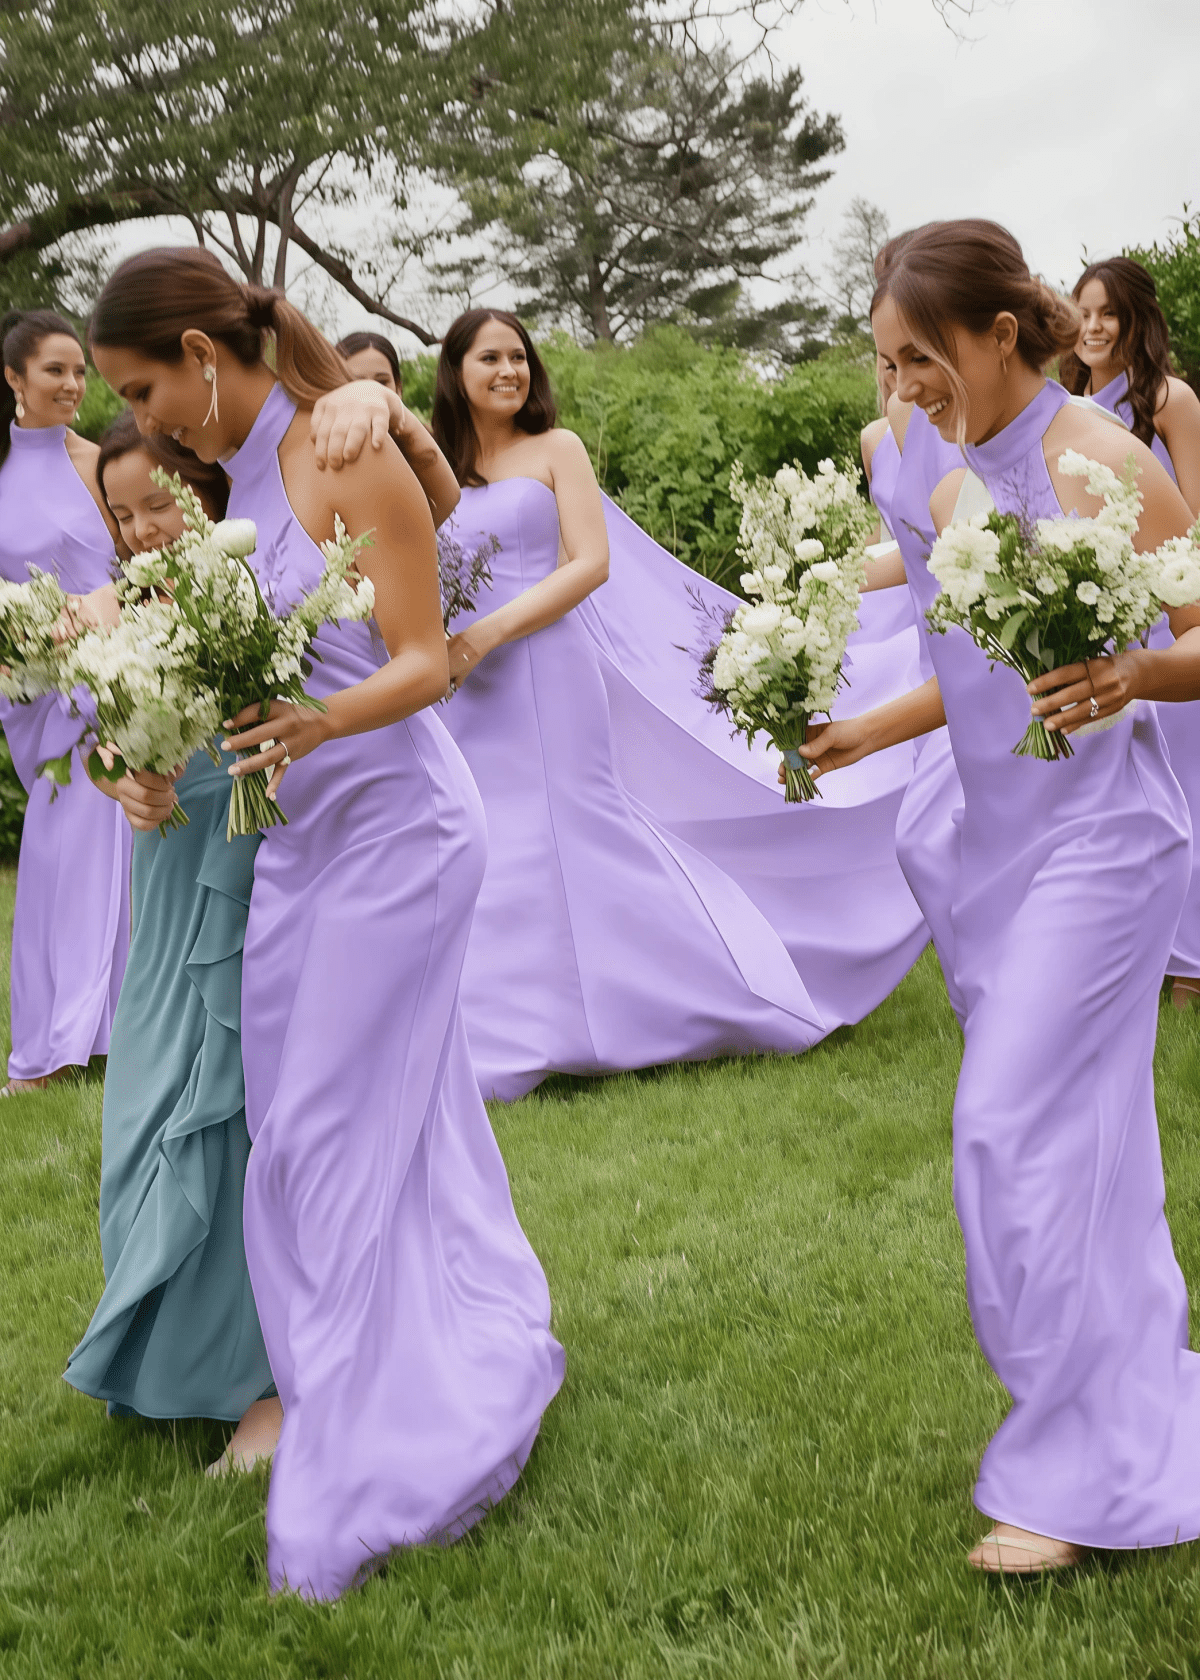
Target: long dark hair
(152, 299)
(1144, 345)
(453, 429)
(206, 478)
(356, 341)
(21, 331)
(965, 273)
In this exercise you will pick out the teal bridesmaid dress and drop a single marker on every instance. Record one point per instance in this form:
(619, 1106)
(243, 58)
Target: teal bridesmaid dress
(176, 1332)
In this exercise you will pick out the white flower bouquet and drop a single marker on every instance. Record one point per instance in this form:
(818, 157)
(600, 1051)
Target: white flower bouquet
(243, 654)
(779, 659)
(30, 615)
(1038, 596)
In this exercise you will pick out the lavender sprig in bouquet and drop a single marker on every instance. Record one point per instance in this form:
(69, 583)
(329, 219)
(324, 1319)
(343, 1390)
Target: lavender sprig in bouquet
(461, 575)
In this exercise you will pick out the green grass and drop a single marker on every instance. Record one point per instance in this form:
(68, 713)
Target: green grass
(760, 1463)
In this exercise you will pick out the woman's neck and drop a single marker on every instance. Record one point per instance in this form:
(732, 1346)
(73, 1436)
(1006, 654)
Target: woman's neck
(1101, 377)
(241, 393)
(495, 434)
(1022, 387)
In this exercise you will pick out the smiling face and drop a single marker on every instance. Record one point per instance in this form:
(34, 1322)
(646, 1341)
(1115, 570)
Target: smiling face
(1100, 335)
(148, 516)
(495, 372)
(967, 400)
(168, 397)
(53, 383)
(372, 364)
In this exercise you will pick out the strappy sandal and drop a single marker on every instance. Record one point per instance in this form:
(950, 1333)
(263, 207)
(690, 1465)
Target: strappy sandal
(1022, 1553)
(1185, 992)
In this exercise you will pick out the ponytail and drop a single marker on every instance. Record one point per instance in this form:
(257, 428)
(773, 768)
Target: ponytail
(21, 331)
(152, 299)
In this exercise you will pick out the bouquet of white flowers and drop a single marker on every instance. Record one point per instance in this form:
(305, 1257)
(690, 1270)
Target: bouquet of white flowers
(779, 659)
(30, 613)
(244, 655)
(1036, 597)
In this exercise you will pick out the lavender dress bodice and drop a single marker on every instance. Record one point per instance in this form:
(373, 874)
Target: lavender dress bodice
(71, 922)
(885, 470)
(406, 1318)
(1115, 398)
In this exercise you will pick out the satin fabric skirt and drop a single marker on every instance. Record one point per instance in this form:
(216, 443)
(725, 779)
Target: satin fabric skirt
(929, 847)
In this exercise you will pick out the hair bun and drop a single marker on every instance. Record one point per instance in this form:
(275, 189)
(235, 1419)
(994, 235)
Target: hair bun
(260, 307)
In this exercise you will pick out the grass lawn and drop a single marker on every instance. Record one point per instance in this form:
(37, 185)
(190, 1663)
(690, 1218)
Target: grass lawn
(760, 1463)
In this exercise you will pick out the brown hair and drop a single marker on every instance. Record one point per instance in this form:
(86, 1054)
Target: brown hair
(356, 341)
(965, 273)
(21, 331)
(206, 478)
(1144, 345)
(152, 299)
(453, 428)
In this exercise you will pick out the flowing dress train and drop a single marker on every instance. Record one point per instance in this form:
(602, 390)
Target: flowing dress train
(71, 919)
(649, 897)
(176, 1332)
(1070, 885)
(406, 1317)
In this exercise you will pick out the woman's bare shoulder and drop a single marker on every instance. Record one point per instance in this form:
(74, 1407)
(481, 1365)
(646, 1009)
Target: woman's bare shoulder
(1179, 400)
(869, 440)
(371, 481)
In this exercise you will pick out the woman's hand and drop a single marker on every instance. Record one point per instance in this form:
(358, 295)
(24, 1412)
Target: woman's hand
(344, 420)
(146, 799)
(1073, 695)
(464, 654)
(831, 746)
(290, 732)
(96, 611)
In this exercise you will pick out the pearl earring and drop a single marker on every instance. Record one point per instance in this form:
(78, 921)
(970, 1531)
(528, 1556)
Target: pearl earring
(214, 412)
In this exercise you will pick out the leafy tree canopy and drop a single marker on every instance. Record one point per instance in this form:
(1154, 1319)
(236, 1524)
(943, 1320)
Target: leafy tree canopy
(1175, 265)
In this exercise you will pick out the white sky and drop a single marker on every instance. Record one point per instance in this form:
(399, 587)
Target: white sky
(1076, 123)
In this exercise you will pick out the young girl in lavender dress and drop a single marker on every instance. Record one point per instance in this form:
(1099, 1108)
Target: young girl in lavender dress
(1071, 879)
(1122, 361)
(71, 921)
(176, 1333)
(405, 1317)
(645, 894)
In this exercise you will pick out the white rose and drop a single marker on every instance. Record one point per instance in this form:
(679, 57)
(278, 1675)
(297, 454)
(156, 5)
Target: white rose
(235, 537)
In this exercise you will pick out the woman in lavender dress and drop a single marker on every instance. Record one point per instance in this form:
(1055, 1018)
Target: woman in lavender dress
(1069, 889)
(405, 1316)
(1123, 362)
(607, 934)
(71, 922)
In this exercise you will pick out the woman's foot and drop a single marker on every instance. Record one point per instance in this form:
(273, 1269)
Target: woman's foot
(1185, 991)
(254, 1439)
(1008, 1550)
(17, 1087)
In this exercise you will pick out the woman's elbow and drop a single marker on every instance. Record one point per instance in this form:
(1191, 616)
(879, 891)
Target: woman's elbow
(434, 677)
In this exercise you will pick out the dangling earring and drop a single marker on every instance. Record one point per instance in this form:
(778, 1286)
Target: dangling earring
(214, 412)
(20, 407)
(1004, 367)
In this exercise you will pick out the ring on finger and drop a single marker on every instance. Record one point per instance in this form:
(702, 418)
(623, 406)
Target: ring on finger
(286, 759)
(1094, 707)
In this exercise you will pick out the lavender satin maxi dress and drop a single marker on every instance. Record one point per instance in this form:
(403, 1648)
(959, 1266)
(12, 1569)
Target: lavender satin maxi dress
(1180, 724)
(929, 824)
(71, 920)
(1071, 881)
(649, 896)
(885, 469)
(406, 1317)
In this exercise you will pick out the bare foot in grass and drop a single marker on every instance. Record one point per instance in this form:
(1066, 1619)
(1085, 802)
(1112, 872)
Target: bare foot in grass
(1009, 1550)
(254, 1439)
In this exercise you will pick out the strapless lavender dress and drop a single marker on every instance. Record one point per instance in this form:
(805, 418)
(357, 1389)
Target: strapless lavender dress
(1069, 890)
(71, 921)
(610, 933)
(929, 825)
(406, 1317)
(1180, 724)
(885, 469)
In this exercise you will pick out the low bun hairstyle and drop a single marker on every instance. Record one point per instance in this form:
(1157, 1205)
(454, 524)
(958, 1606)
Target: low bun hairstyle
(453, 428)
(965, 273)
(1144, 345)
(207, 479)
(21, 331)
(152, 299)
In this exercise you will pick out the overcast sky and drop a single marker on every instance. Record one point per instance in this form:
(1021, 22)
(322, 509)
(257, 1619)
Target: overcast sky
(1076, 123)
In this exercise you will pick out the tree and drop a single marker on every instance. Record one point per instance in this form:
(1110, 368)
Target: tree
(248, 121)
(678, 173)
(864, 234)
(1175, 265)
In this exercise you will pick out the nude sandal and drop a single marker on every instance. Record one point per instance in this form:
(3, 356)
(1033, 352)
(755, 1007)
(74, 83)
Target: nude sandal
(1022, 1553)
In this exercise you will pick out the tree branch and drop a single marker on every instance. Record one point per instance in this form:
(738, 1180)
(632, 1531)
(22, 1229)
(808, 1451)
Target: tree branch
(340, 271)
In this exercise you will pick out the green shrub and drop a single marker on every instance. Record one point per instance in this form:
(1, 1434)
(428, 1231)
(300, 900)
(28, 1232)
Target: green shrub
(12, 806)
(665, 420)
(1175, 266)
(98, 408)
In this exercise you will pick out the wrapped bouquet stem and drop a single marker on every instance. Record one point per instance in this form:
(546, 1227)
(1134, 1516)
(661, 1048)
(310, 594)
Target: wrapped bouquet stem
(1037, 596)
(777, 662)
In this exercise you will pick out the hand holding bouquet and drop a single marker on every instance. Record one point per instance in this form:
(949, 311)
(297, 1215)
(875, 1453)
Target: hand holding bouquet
(779, 660)
(1038, 597)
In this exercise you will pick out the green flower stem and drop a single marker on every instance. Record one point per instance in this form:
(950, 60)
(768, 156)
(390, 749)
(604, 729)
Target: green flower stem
(249, 808)
(798, 785)
(1040, 742)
